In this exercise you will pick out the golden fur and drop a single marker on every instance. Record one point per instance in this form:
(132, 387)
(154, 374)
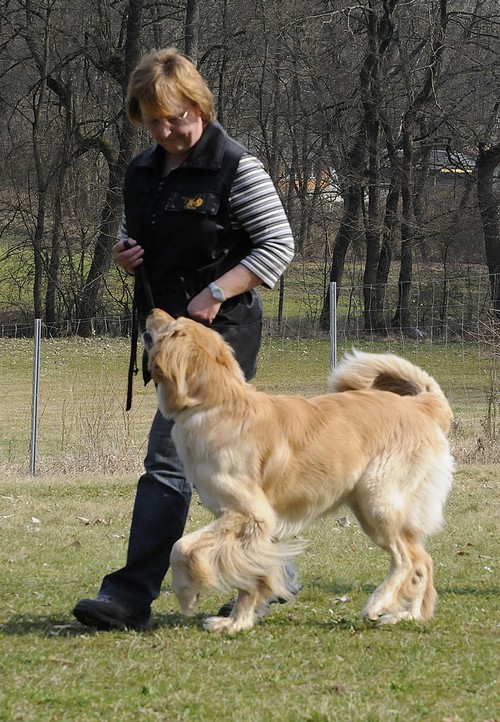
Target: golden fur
(269, 466)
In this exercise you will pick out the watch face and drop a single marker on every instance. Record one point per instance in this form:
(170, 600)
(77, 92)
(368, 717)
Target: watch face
(217, 292)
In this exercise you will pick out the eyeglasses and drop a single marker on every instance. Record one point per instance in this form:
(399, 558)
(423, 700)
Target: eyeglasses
(175, 119)
(172, 120)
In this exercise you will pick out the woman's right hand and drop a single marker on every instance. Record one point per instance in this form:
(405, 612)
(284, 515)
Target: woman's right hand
(128, 254)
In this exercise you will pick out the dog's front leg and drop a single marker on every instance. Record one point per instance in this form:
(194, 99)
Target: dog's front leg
(186, 584)
(242, 615)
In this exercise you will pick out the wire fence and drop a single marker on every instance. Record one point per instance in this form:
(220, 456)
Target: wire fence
(82, 424)
(441, 307)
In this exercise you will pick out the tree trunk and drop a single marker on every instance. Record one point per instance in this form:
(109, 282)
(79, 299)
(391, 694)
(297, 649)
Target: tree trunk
(117, 162)
(350, 222)
(192, 25)
(402, 317)
(371, 95)
(391, 225)
(379, 35)
(488, 160)
(373, 227)
(55, 252)
(57, 225)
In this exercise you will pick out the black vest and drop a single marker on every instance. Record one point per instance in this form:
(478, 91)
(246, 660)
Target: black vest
(182, 222)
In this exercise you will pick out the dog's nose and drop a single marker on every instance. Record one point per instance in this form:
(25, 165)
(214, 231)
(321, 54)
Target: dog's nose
(147, 340)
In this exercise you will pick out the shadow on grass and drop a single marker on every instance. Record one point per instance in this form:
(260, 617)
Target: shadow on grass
(338, 590)
(469, 591)
(295, 614)
(345, 619)
(52, 626)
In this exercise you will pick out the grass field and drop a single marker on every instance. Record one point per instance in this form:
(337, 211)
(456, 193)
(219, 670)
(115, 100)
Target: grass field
(311, 660)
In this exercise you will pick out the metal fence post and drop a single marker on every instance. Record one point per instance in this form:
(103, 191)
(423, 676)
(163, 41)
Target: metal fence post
(333, 325)
(34, 399)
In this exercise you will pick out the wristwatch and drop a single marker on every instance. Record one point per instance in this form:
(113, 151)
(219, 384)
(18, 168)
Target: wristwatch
(217, 292)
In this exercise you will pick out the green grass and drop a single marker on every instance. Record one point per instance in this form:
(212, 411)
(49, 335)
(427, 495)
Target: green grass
(310, 660)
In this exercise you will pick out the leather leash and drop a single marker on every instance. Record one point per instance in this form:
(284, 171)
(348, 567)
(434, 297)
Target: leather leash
(141, 279)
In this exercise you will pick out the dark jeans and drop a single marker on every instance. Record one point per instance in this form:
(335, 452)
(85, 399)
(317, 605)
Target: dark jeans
(160, 511)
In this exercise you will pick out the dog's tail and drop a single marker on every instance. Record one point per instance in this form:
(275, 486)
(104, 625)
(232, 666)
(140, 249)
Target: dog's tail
(388, 372)
(239, 551)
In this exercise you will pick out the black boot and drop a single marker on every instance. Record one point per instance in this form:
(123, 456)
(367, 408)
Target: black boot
(292, 584)
(124, 600)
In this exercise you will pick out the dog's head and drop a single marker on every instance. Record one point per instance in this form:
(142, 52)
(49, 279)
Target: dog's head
(190, 363)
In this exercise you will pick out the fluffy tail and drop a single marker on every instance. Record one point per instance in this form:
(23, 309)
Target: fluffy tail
(387, 372)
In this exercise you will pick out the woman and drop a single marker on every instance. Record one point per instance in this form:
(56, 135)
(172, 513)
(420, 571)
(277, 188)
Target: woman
(203, 227)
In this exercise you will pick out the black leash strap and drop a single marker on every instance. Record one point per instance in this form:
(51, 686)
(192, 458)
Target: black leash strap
(132, 366)
(141, 271)
(141, 280)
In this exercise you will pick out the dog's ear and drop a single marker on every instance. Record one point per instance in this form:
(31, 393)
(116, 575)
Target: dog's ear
(190, 364)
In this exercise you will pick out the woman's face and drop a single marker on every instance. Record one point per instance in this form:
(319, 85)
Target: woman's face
(174, 133)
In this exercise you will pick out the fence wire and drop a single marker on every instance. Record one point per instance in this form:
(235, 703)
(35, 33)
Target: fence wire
(83, 427)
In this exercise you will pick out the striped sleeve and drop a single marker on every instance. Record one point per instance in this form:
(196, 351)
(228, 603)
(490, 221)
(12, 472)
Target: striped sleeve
(255, 206)
(122, 232)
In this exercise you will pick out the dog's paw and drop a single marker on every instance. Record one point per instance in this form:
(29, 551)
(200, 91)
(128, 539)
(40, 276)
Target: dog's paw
(386, 616)
(394, 617)
(216, 624)
(229, 625)
(188, 605)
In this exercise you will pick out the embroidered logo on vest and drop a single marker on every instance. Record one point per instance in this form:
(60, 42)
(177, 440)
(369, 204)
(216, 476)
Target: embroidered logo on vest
(191, 204)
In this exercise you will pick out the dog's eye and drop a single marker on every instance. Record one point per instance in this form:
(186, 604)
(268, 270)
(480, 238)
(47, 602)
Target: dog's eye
(147, 340)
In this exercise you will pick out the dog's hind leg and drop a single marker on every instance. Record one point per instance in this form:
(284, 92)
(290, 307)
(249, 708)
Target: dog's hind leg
(417, 595)
(408, 590)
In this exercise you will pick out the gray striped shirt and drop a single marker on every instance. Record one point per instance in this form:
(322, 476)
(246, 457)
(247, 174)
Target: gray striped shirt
(255, 206)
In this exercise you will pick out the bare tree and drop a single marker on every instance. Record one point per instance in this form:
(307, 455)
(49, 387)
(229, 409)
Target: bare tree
(402, 318)
(117, 159)
(192, 29)
(365, 159)
(366, 93)
(489, 202)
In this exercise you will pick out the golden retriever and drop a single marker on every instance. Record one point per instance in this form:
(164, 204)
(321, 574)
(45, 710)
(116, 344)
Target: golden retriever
(269, 466)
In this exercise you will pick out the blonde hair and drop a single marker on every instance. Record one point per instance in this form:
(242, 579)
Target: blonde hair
(163, 80)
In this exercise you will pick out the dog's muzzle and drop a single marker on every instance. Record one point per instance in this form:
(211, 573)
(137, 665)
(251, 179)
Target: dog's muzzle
(147, 340)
